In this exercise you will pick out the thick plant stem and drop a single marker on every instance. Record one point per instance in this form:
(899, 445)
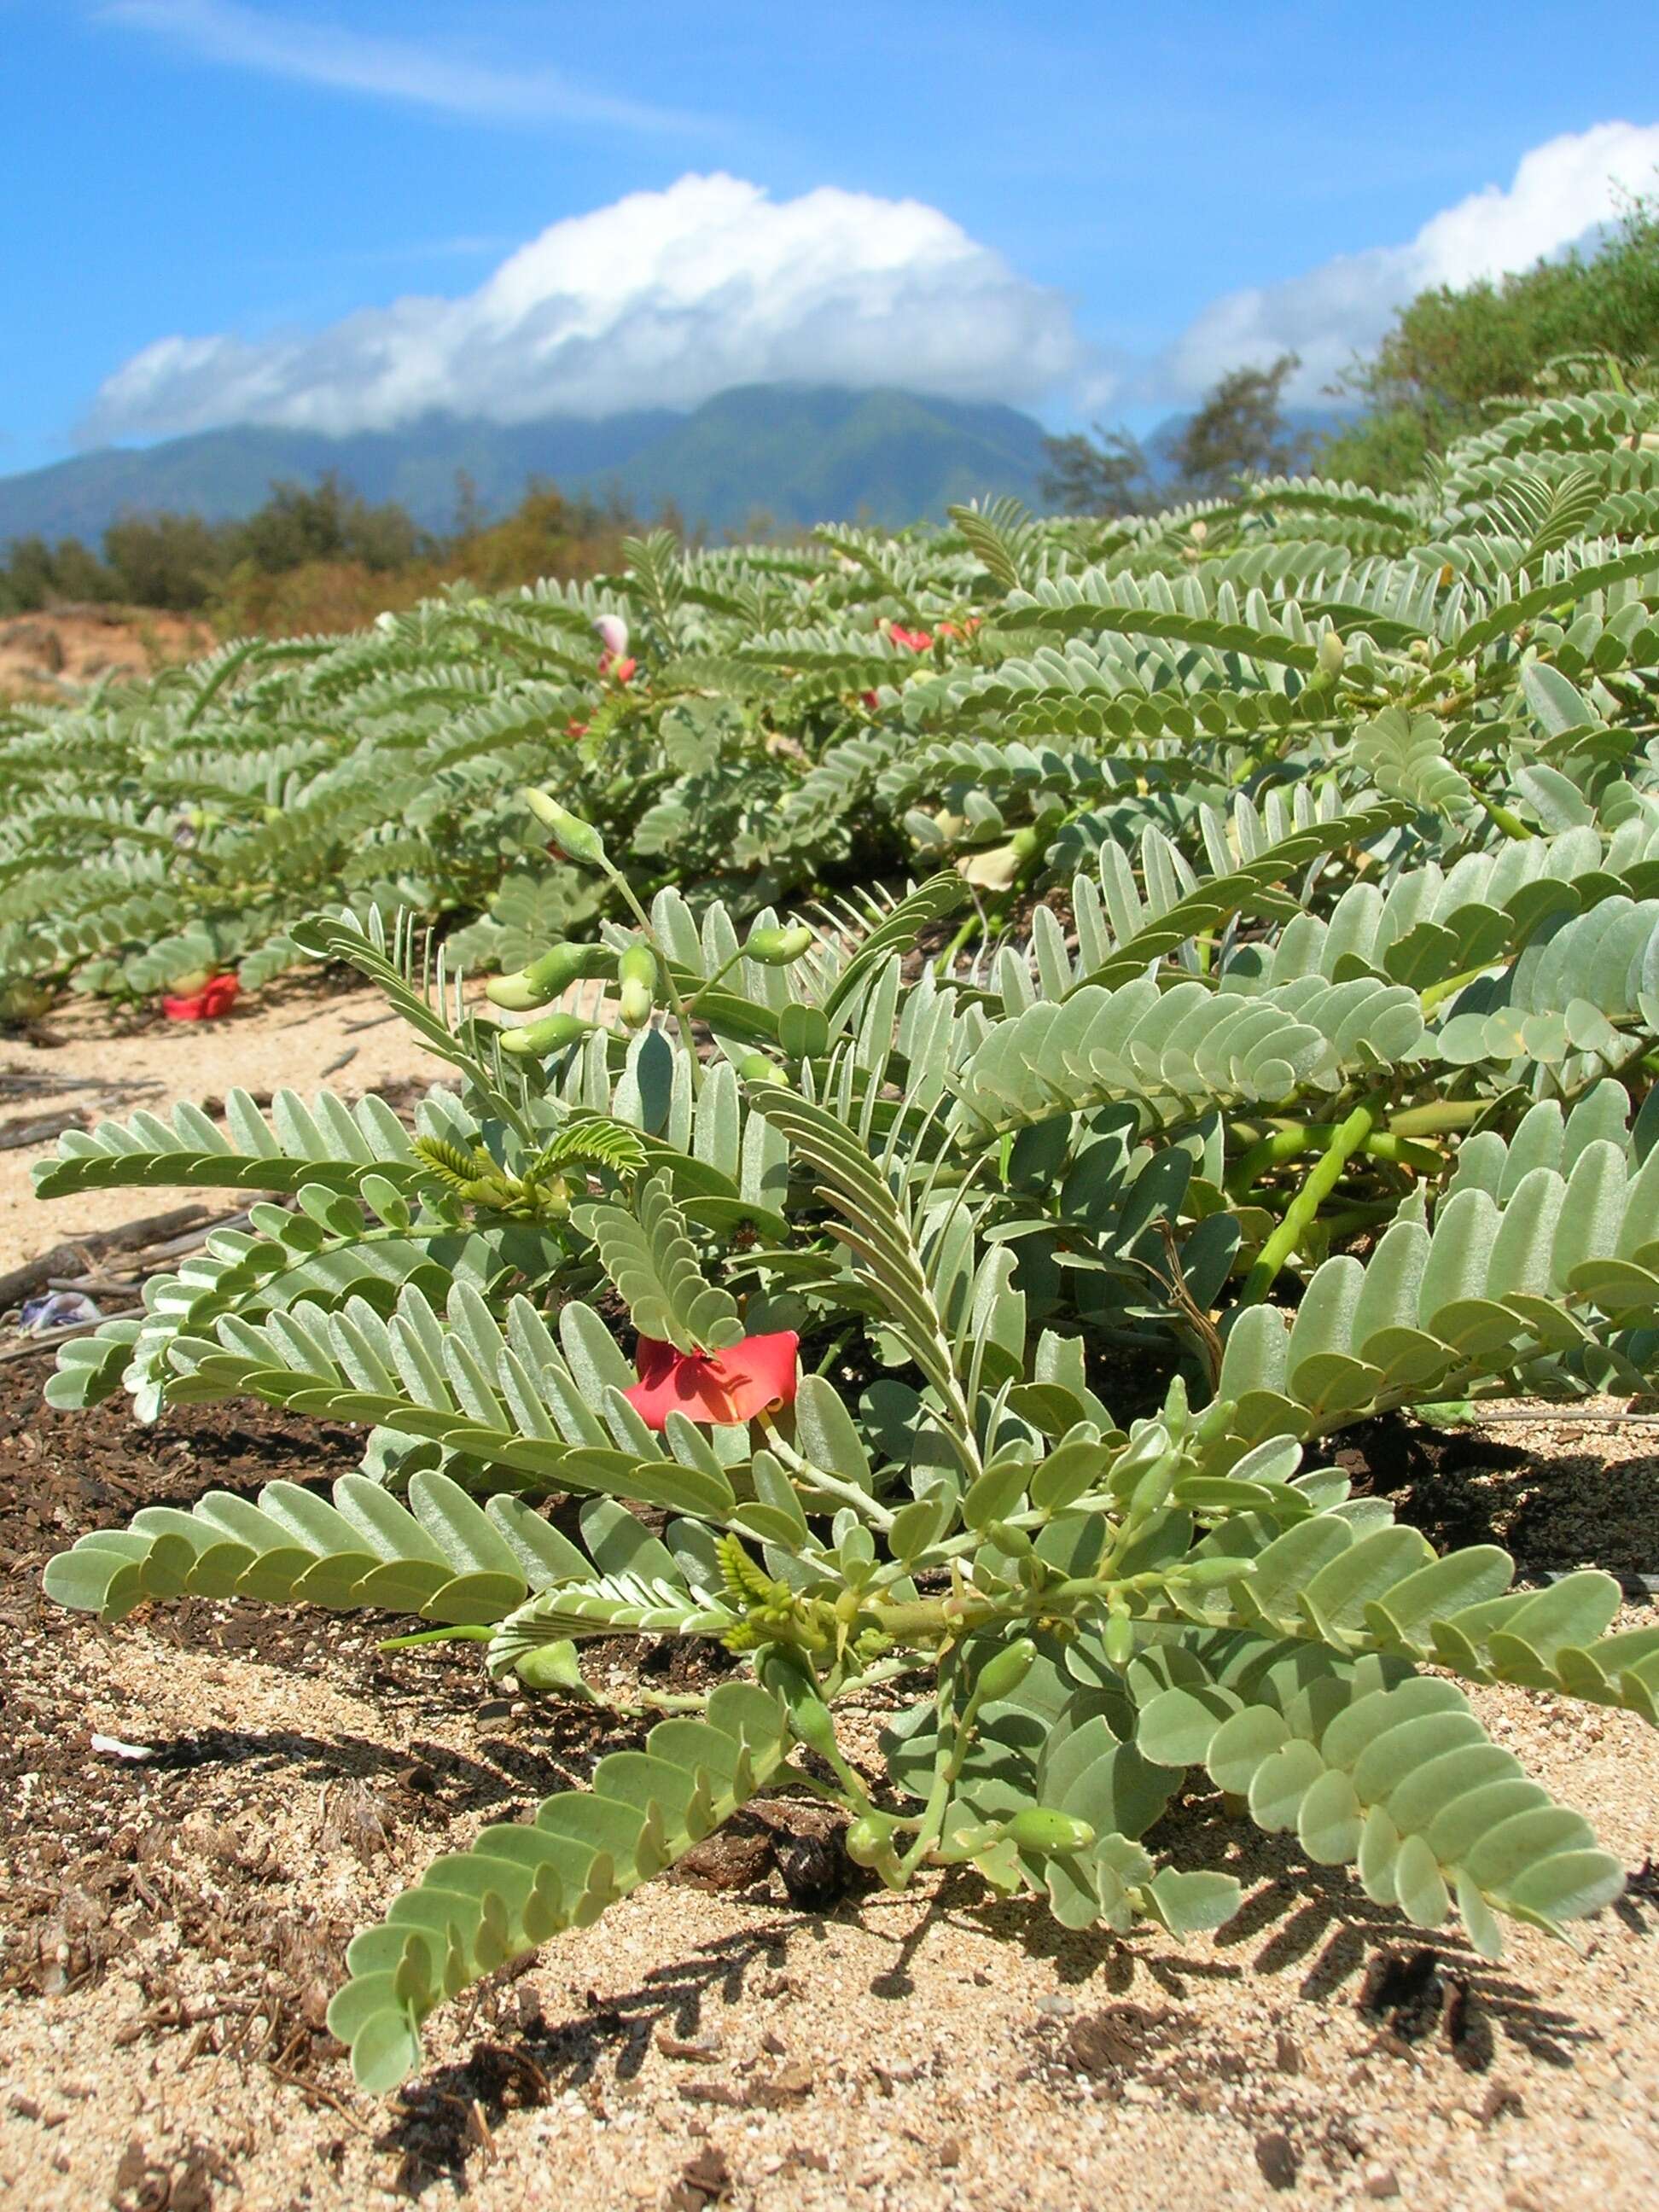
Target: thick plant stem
(947, 961)
(1290, 1144)
(1323, 1179)
(1445, 1116)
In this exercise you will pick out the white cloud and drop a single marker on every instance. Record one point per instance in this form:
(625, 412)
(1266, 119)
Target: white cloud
(660, 300)
(1560, 191)
(240, 37)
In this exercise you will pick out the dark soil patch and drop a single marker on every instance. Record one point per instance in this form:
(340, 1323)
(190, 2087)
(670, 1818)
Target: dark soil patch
(62, 1473)
(1551, 1512)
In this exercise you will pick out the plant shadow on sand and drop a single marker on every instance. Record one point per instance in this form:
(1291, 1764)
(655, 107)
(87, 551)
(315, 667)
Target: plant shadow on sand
(446, 2117)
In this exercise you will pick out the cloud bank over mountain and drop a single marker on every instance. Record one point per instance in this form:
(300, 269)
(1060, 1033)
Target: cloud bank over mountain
(1560, 191)
(664, 299)
(660, 300)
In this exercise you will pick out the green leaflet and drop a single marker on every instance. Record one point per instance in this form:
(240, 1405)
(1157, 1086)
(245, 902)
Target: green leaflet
(521, 1883)
(649, 1258)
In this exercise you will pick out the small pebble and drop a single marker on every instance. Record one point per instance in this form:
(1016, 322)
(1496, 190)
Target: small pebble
(1277, 2159)
(1057, 2008)
(1380, 2181)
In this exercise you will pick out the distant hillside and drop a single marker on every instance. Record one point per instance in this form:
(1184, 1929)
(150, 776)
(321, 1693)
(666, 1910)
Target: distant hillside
(801, 455)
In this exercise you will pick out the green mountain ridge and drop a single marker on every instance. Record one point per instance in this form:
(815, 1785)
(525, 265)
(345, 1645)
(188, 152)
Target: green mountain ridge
(801, 455)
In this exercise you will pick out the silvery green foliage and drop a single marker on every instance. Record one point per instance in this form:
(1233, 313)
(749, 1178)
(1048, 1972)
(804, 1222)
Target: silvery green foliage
(1326, 1091)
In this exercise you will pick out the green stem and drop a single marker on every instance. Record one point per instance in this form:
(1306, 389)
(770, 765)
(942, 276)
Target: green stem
(947, 961)
(718, 977)
(1437, 993)
(1322, 1179)
(1441, 1118)
(939, 1795)
(1311, 1136)
(472, 1634)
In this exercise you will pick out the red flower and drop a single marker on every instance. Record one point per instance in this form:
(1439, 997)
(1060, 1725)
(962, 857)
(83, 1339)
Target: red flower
(620, 666)
(965, 629)
(217, 997)
(871, 700)
(575, 729)
(718, 1387)
(918, 640)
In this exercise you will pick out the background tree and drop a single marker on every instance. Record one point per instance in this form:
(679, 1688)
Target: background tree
(1239, 429)
(172, 561)
(1451, 354)
(1105, 474)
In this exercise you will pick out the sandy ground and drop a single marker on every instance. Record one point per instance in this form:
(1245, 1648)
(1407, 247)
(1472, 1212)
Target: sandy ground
(162, 2051)
(58, 653)
(302, 1032)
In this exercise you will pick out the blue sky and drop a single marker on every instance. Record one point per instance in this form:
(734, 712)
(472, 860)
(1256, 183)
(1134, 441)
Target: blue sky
(1095, 207)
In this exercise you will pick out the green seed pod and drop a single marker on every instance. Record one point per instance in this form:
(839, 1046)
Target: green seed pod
(1331, 653)
(550, 976)
(575, 837)
(755, 1068)
(537, 1039)
(1119, 1641)
(1035, 1828)
(870, 1839)
(999, 1677)
(1205, 1574)
(778, 948)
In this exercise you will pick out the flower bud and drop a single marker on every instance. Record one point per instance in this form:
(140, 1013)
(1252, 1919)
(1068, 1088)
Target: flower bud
(636, 972)
(755, 1068)
(613, 633)
(778, 948)
(1200, 531)
(578, 839)
(551, 1666)
(1035, 1828)
(1215, 1567)
(813, 1723)
(549, 974)
(537, 1039)
(999, 1677)
(870, 1839)
(1331, 653)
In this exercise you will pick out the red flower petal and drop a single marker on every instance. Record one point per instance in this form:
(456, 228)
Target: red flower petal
(217, 997)
(719, 1388)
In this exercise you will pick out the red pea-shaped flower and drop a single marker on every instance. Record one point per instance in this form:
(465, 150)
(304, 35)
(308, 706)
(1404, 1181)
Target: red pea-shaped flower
(719, 1388)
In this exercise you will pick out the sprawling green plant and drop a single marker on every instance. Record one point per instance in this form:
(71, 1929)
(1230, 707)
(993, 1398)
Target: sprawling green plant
(972, 1331)
(1005, 694)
